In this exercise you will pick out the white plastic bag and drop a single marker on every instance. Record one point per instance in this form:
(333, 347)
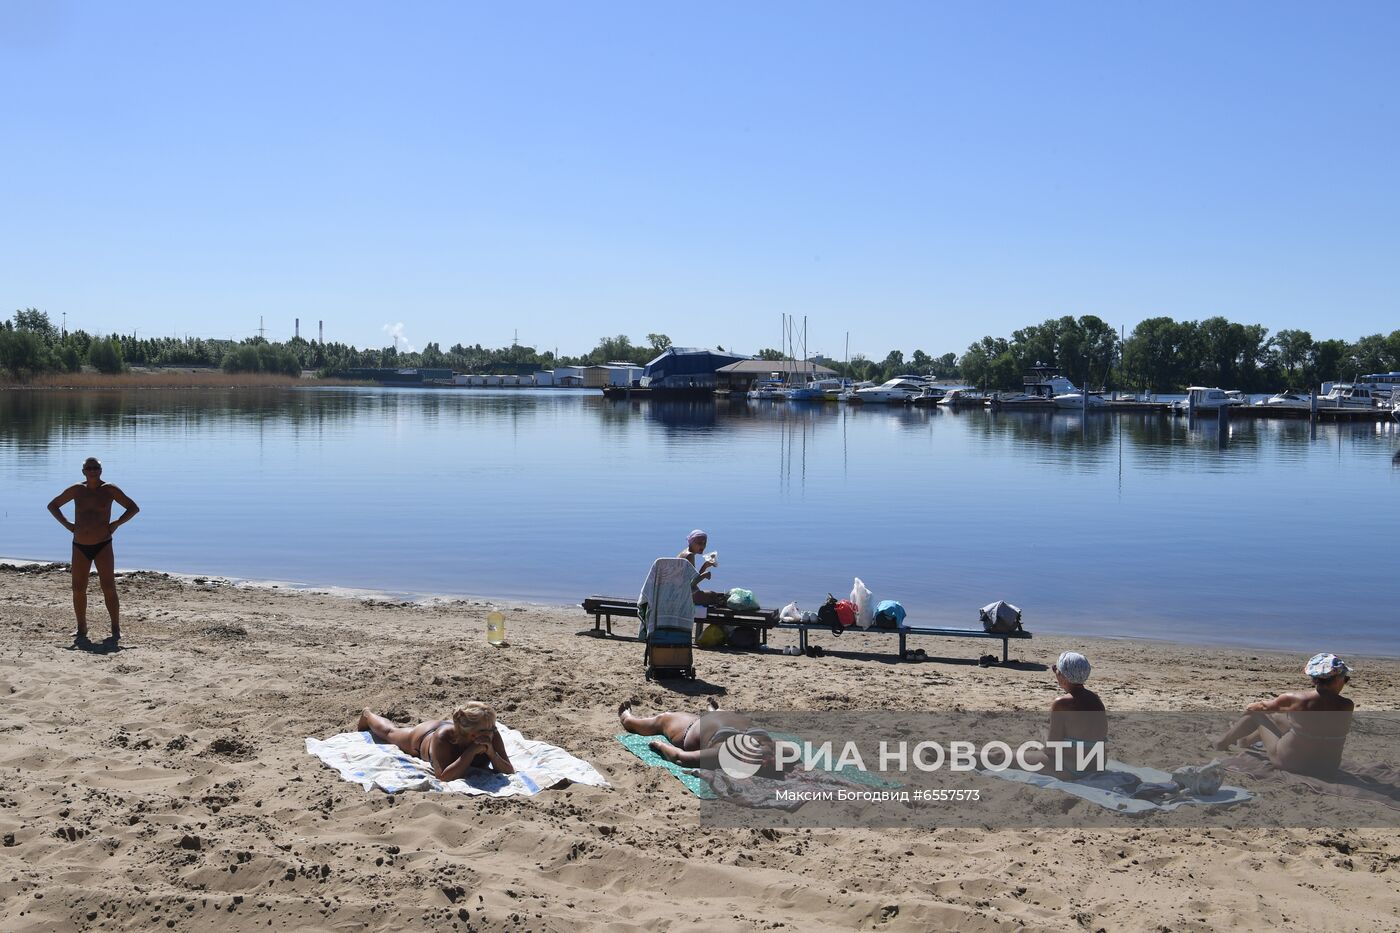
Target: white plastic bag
(790, 613)
(865, 604)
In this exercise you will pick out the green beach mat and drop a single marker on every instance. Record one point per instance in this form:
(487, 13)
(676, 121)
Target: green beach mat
(640, 745)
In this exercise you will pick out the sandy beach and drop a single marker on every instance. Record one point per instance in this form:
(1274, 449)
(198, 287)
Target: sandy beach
(166, 785)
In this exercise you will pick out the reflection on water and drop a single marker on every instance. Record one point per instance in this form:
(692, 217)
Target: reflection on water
(1125, 524)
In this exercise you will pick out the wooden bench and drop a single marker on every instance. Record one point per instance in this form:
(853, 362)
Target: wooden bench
(604, 608)
(904, 633)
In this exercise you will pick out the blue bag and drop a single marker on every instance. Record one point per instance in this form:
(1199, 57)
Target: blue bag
(889, 614)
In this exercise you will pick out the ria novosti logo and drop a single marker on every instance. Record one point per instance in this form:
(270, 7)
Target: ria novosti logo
(741, 755)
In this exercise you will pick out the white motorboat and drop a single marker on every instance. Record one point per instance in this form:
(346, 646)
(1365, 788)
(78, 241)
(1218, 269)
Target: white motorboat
(897, 391)
(1208, 399)
(1349, 395)
(931, 395)
(849, 394)
(962, 398)
(1289, 399)
(768, 390)
(1075, 401)
(1038, 391)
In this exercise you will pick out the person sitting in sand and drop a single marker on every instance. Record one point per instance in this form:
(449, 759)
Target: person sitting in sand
(468, 740)
(92, 529)
(1077, 717)
(695, 544)
(696, 739)
(1301, 732)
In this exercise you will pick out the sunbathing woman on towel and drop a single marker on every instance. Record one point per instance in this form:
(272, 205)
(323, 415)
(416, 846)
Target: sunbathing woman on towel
(468, 740)
(696, 740)
(1301, 732)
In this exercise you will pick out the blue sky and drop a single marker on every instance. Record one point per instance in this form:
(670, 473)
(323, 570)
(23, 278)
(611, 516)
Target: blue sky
(917, 174)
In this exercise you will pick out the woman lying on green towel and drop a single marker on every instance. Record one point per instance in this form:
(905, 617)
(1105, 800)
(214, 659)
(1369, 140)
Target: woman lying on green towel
(697, 739)
(468, 740)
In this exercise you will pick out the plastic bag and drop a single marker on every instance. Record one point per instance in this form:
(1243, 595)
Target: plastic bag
(865, 604)
(1000, 617)
(790, 613)
(889, 614)
(712, 637)
(741, 600)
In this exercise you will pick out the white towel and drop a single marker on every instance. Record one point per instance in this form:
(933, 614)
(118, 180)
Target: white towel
(668, 596)
(538, 765)
(1121, 802)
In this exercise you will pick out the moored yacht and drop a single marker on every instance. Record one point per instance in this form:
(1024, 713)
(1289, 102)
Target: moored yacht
(1074, 401)
(1207, 398)
(1039, 389)
(963, 398)
(897, 391)
(1348, 395)
(1289, 399)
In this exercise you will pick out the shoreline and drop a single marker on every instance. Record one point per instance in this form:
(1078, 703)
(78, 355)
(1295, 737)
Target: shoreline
(420, 598)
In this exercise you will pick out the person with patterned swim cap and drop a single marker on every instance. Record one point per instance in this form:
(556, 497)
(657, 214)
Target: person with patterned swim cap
(1303, 732)
(1078, 717)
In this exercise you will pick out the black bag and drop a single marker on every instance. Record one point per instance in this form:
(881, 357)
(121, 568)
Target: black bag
(827, 616)
(743, 636)
(1000, 617)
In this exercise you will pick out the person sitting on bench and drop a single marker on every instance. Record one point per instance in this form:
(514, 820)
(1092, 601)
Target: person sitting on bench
(1301, 732)
(695, 544)
(696, 739)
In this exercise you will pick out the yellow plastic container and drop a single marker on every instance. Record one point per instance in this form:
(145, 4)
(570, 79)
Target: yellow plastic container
(495, 628)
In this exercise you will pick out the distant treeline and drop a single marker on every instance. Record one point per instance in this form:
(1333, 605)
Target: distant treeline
(1160, 355)
(1163, 355)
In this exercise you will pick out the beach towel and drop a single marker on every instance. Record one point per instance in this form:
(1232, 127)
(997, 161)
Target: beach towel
(701, 783)
(1373, 783)
(539, 765)
(665, 600)
(1113, 788)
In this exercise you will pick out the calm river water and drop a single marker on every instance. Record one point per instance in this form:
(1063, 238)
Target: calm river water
(1122, 525)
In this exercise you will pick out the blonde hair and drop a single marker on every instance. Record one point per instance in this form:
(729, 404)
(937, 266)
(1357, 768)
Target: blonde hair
(474, 717)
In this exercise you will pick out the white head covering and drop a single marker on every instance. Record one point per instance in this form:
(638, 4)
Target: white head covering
(697, 533)
(1073, 666)
(1325, 666)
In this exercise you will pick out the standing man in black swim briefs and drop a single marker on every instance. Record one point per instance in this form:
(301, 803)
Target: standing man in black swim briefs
(92, 528)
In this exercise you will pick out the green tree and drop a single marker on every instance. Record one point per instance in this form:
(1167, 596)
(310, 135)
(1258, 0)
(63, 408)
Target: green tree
(1327, 359)
(893, 365)
(659, 342)
(36, 322)
(21, 353)
(105, 356)
(240, 359)
(1293, 347)
(1159, 355)
(1370, 354)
